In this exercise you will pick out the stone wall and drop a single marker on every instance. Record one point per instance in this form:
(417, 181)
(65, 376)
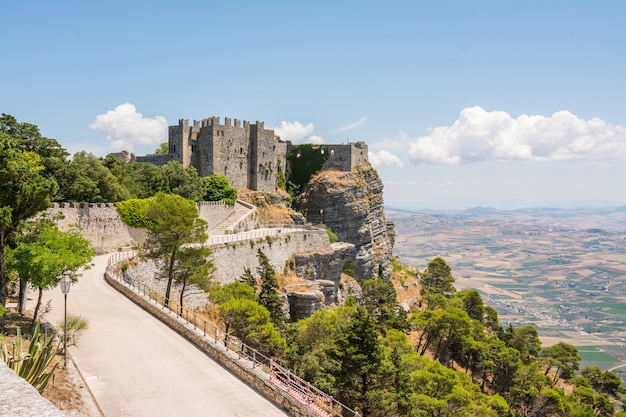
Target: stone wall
(247, 154)
(100, 224)
(214, 212)
(346, 157)
(231, 258)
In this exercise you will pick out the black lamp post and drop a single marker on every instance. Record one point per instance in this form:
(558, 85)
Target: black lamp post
(66, 283)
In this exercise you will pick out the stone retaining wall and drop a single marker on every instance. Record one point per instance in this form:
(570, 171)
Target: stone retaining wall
(230, 259)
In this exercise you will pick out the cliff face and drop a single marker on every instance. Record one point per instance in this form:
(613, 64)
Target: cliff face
(351, 204)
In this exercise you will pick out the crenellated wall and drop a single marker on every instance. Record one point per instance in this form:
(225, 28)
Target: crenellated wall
(247, 154)
(100, 223)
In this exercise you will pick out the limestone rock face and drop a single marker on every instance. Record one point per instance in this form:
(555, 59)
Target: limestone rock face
(351, 204)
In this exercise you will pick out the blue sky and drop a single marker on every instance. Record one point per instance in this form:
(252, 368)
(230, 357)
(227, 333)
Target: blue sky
(501, 103)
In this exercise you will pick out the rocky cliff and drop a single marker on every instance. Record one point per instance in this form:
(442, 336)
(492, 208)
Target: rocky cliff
(351, 204)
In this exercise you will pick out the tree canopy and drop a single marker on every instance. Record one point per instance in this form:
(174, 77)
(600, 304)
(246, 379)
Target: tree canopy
(44, 254)
(24, 191)
(174, 224)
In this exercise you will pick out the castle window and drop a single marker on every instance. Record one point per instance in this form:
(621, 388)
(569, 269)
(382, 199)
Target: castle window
(240, 150)
(332, 151)
(173, 148)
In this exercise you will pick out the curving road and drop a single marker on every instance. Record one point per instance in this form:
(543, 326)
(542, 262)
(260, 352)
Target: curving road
(137, 366)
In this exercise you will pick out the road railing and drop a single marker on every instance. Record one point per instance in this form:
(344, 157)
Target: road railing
(291, 385)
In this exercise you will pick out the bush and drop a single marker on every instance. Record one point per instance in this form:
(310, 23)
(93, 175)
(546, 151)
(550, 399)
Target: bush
(76, 326)
(218, 189)
(132, 212)
(348, 267)
(332, 236)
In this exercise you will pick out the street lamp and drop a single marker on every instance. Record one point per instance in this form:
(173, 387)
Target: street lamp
(66, 283)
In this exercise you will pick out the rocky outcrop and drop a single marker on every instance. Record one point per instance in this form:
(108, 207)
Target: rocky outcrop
(351, 204)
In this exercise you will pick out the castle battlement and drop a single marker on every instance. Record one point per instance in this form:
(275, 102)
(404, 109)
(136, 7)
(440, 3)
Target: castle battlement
(249, 155)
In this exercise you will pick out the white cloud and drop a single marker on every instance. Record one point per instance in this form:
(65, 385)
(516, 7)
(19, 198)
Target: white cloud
(479, 135)
(352, 125)
(294, 131)
(127, 127)
(315, 140)
(384, 158)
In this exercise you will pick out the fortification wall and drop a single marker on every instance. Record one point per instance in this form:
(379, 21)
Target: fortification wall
(232, 150)
(346, 157)
(155, 159)
(100, 224)
(231, 258)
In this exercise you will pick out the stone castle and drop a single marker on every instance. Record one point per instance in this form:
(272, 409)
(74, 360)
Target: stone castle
(249, 155)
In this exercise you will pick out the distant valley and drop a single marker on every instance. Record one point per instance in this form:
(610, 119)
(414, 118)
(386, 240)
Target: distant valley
(563, 271)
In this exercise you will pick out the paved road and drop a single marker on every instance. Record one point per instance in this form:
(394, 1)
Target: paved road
(137, 366)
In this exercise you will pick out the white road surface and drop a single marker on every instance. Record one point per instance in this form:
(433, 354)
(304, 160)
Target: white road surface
(137, 366)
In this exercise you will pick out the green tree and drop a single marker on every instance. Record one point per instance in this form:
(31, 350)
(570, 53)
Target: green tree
(46, 254)
(526, 340)
(28, 139)
(437, 277)
(182, 181)
(245, 318)
(472, 304)
(251, 323)
(217, 188)
(174, 225)
(359, 355)
(248, 278)
(400, 387)
(87, 179)
(603, 382)
(163, 149)
(562, 358)
(380, 300)
(268, 293)
(193, 267)
(144, 180)
(24, 192)
(219, 294)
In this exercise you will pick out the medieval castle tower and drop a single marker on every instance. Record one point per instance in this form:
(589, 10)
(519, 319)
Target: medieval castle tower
(247, 154)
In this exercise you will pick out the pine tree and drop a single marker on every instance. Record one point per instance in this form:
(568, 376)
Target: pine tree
(268, 295)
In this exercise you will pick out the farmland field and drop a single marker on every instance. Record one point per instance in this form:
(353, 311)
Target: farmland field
(562, 271)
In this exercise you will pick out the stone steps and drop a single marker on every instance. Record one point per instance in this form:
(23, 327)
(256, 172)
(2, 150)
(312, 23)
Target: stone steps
(238, 213)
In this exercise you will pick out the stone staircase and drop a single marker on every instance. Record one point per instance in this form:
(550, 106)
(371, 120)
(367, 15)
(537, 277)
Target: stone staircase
(239, 212)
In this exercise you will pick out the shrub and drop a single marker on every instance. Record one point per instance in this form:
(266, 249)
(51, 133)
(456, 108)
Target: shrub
(332, 236)
(348, 267)
(132, 212)
(76, 326)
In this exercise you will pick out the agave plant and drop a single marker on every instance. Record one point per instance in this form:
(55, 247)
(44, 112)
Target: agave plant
(33, 364)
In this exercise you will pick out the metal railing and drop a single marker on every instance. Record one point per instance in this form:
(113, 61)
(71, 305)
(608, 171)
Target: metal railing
(318, 402)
